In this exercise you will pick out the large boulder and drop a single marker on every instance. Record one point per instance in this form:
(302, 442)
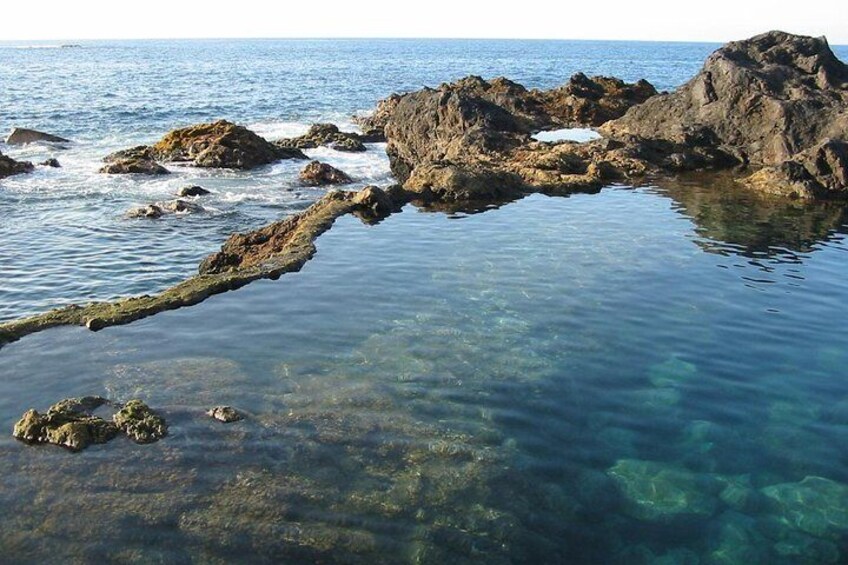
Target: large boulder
(9, 166)
(769, 100)
(221, 144)
(22, 136)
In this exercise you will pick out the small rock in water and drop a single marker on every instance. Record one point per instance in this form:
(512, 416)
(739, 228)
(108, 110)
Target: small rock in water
(51, 163)
(21, 136)
(159, 209)
(317, 173)
(140, 423)
(150, 211)
(68, 423)
(192, 191)
(226, 414)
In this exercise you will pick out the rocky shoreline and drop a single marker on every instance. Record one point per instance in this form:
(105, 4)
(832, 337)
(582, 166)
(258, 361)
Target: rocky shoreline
(772, 110)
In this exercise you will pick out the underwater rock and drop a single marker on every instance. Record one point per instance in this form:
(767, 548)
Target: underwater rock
(68, 423)
(140, 423)
(22, 136)
(815, 505)
(671, 372)
(226, 414)
(660, 492)
(317, 173)
(221, 144)
(187, 191)
(324, 134)
(9, 166)
(52, 162)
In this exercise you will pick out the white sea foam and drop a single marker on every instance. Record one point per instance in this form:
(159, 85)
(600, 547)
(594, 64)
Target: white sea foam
(580, 135)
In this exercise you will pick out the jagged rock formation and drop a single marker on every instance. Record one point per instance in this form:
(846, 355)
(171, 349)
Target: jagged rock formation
(776, 100)
(221, 144)
(9, 166)
(324, 134)
(22, 136)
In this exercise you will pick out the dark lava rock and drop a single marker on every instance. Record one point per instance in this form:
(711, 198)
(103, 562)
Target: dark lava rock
(51, 163)
(9, 166)
(192, 191)
(140, 423)
(226, 414)
(324, 134)
(68, 423)
(221, 144)
(317, 173)
(21, 136)
(769, 100)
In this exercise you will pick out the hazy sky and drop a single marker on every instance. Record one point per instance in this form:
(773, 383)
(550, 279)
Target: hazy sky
(714, 20)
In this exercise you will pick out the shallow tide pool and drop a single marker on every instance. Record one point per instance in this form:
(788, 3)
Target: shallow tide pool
(636, 376)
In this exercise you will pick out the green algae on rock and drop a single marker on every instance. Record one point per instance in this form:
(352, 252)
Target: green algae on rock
(140, 423)
(657, 491)
(815, 505)
(69, 423)
(671, 372)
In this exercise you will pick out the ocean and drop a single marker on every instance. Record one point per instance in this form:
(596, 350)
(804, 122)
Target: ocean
(644, 375)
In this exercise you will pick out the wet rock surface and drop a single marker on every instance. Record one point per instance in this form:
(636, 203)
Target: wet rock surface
(9, 166)
(159, 209)
(54, 163)
(225, 414)
(22, 136)
(136, 160)
(188, 191)
(325, 134)
(69, 423)
(317, 173)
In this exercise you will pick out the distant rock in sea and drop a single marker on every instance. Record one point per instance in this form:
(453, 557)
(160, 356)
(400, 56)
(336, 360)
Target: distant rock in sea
(22, 136)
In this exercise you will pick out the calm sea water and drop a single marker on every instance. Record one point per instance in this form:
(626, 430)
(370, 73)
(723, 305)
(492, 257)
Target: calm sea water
(652, 375)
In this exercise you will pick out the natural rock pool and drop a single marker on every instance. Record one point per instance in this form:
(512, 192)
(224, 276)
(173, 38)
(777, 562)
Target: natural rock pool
(650, 375)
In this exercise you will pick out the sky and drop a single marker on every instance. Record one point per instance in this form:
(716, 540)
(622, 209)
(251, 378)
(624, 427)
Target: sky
(679, 20)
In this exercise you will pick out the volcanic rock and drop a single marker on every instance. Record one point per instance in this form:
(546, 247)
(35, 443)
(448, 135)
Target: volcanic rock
(324, 134)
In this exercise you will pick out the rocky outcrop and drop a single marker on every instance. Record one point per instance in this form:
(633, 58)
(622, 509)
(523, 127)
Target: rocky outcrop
(776, 100)
(9, 166)
(140, 160)
(373, 125)
(324, 134)
(317, 173)
(22, 136)
(221, 144)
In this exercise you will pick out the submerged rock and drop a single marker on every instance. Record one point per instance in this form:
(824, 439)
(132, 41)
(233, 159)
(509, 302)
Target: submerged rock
(9, 166)
(325, 134)
(187, 191)
(815, 505)
(68, 423)
(226, 414)
(22, 136)
(671, 372)
(317, 173)
(140, 423)
(660, 492)
(221, 144)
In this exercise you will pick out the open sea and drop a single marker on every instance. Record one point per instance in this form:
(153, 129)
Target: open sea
(651, 375)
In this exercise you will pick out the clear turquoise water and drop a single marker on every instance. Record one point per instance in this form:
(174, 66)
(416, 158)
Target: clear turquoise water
(635, 376)
(63, 234)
